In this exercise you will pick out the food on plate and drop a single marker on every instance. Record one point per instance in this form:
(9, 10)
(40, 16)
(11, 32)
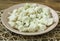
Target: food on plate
(30, 18)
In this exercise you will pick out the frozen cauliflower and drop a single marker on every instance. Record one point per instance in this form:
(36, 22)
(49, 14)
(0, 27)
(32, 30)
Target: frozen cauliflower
(30, 18)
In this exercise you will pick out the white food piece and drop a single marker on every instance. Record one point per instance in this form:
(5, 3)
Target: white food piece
(31, 18)
(26, 23)
(46, 12)
(30, 10)
(42, 27)
(50, 21)
(18, 23)
(39, 16)
(12, 17)
(33, 27)
(12, 23)
(46, 21)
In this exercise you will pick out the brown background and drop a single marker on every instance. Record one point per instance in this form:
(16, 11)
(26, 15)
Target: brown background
(55, 4)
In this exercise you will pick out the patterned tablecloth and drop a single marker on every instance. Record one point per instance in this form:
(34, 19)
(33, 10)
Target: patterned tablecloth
(7, 35)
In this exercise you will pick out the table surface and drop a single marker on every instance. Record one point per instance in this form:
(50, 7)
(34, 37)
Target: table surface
(55, 4)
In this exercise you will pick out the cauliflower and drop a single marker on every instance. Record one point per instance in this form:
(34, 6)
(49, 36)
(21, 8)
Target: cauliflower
(30, 18)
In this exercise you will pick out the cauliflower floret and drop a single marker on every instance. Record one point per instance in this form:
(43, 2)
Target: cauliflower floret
(32, 16)
(22, 16)
(18, 23)
(38, 10)
(26, 23)
(31, 10)
(20, 28)
(32, 24)
(33, 27)
(14, 11)
(42, 27)
(12, 17)
(50, 21)
(46, 21)
(39, 16)
(12, 23)
(46, 11)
